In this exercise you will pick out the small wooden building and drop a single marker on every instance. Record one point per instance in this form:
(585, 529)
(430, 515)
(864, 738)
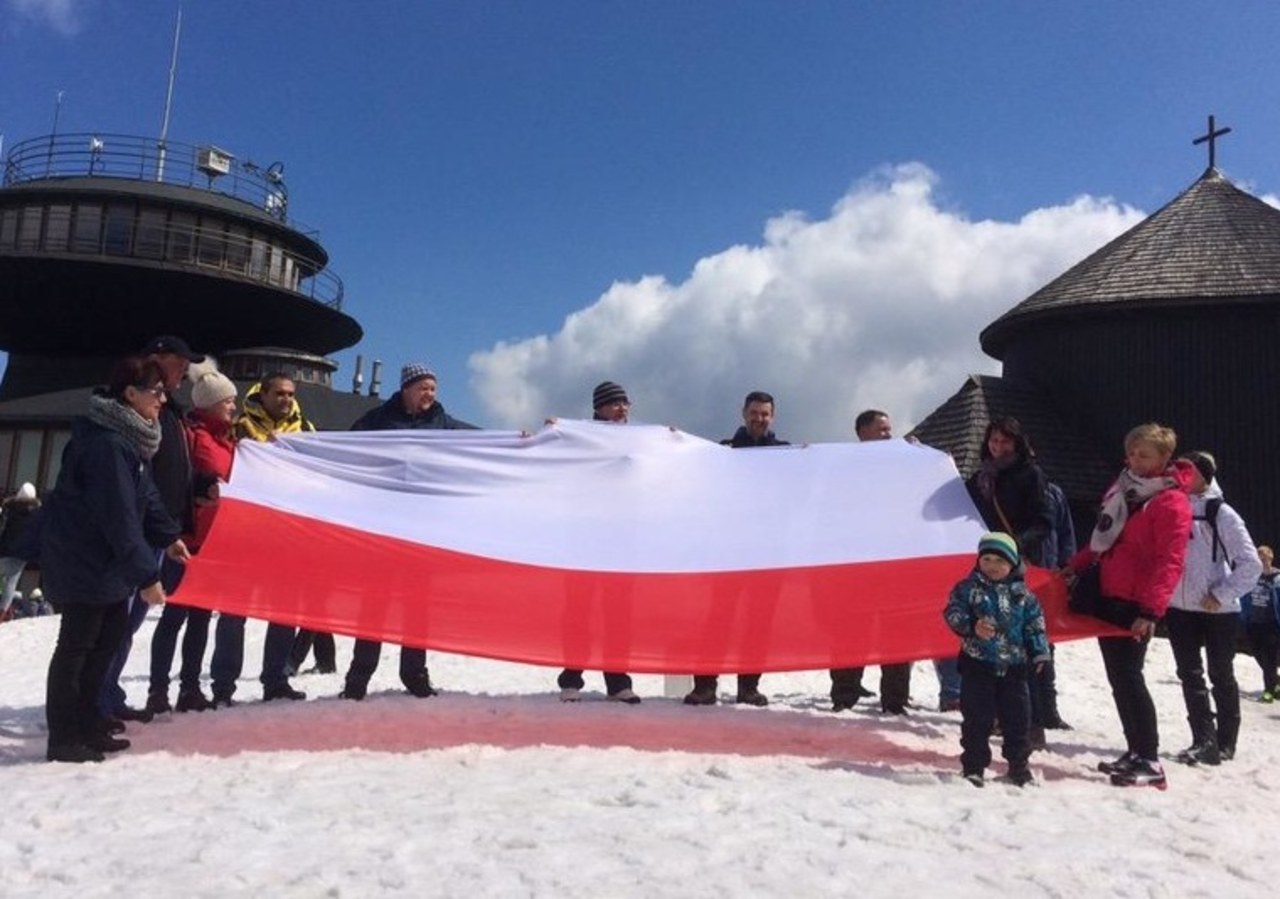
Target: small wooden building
(1177, 321)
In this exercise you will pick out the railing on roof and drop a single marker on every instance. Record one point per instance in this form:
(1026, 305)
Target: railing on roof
(146, 159)
(140, 233)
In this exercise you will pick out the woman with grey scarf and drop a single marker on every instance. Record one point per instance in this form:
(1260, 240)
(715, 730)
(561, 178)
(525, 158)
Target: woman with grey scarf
(103, 524)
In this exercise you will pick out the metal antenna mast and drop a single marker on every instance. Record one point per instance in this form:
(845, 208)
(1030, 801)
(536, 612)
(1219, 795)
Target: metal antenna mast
(168, 99)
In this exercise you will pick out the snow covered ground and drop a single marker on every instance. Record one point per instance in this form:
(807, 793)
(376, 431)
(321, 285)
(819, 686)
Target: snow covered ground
(497, 789)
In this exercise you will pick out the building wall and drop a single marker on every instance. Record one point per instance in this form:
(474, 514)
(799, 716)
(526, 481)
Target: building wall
(1210, 373)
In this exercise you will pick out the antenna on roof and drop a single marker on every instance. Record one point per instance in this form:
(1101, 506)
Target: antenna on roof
(1211, 137)
(162, 144)
(53, 139)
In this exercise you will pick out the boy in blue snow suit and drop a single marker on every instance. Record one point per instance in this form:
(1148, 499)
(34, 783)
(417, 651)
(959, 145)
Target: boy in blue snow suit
(1001, 626)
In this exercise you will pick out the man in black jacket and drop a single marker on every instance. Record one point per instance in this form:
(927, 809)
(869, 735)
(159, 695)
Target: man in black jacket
(895, 680)
(171, 472)
(413, 406)
(757, 419)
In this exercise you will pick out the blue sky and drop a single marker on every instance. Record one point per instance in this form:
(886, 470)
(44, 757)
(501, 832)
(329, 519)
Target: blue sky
(827, 200)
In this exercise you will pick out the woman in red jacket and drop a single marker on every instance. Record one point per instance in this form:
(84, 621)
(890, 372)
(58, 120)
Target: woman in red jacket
(1140, 546)
(212, 447)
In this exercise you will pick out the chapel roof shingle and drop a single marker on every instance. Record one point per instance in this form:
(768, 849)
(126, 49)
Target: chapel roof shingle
(1213, 242)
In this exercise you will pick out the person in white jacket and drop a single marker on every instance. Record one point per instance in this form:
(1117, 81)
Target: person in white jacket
(1204, 615)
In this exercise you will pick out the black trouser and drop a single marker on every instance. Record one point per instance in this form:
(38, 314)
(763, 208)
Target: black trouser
(88, 638)
(1215, 634)
(895, 686)
(984, 695)
(366, 655)
(706, 683)
(1123, 658)
(164, 641)
(228, 654)
(1264, 640)
(322, 643)
(1043, 687)
(614, 681)
(846, 685)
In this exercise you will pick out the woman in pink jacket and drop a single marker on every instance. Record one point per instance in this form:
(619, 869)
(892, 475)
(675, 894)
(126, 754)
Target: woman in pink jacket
(1139, 546)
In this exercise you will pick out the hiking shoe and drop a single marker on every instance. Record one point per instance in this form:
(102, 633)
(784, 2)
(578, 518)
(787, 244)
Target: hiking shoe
(128, 713)
(842, 702)
(1120, 765)
(626, 695)
(192, 700)
(1203, 753)
(570, 694)
(281, 691)
(1142, 773)
(353, 691)
(753, 697)
(104, 742)
(420, 687)
(975, 778)
(1020, 777)
(157, 704)
(700, 697)
(77, 753)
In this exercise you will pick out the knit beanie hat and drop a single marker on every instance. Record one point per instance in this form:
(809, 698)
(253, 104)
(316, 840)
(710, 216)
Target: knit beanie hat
(607, 393)
(1001, 544)
(1204, 463)
(210, 389)
(414, 371)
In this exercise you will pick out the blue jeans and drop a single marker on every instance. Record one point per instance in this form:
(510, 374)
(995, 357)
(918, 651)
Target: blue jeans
(112, 698)
(228, 654)
(948, 671)
(164, 643)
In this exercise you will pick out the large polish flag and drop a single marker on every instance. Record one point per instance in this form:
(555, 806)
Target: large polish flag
(600, 546)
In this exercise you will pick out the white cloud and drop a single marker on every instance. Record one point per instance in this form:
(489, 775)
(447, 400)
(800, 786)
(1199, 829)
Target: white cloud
(61, 15)
(878, 304)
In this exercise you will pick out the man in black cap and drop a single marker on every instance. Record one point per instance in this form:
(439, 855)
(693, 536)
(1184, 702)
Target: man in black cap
(609, 403)
(171, 471)
(413, 406)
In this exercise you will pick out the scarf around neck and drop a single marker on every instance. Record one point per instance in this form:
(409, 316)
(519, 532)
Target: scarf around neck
(989, 473)
(142, 435)
(1127, 494)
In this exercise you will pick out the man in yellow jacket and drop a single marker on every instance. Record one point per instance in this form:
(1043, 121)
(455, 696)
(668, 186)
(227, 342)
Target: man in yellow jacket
(270, 409)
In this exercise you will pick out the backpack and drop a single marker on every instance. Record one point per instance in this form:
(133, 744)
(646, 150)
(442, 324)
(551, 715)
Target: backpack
(1210, 517)
(1060, 544)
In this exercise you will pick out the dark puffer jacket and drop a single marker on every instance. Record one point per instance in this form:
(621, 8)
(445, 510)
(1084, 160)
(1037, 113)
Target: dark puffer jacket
(104, 521)
(391, 416)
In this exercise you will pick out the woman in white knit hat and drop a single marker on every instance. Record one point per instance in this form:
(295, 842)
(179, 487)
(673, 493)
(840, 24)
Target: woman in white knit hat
(212, 445)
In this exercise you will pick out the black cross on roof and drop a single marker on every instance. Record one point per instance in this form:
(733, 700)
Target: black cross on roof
(1211, 137)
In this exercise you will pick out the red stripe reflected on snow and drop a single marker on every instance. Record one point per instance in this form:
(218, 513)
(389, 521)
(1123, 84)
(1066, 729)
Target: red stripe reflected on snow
(265, 563)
